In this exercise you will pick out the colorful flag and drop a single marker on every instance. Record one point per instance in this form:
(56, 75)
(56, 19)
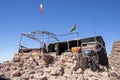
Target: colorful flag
(41, 8)
(72, 28)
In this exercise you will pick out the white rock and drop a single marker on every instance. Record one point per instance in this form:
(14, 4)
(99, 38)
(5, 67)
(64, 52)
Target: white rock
(79, 71)
(25, 76)
(42, 78)
(67, 72)
(105, 74)
(74, 67)
(57, 71)
(68, 64)
(53, 78)
(48, 70)
(37, 75)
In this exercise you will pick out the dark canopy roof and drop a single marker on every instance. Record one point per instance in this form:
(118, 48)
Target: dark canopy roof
(93, 39)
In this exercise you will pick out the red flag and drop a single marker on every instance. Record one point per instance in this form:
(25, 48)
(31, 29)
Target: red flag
(41, 8)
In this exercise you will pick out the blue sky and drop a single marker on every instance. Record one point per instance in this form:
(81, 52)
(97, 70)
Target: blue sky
(17, 16)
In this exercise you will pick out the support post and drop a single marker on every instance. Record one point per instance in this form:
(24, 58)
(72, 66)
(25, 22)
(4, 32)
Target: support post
(57, 48)
(77, 39)
(43, 54)
(20, 43)
(68, 45)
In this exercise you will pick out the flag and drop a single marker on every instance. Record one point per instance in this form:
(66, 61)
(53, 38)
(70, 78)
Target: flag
(41, 8)
(72, 28)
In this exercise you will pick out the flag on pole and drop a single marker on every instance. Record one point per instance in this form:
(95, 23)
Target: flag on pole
(72, 28)
(41, 8)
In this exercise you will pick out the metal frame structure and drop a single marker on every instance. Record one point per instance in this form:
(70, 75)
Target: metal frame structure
(34, 35)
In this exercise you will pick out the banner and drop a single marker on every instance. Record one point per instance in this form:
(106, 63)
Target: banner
(72, 28)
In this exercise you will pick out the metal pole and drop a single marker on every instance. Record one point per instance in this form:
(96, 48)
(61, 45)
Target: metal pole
(94, 30)
(20, 42)
(42, 45)
(77, 39)
(68, 45)
(57, 49)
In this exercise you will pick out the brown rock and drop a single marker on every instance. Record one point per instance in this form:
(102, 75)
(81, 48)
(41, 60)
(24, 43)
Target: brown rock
(60, 70)
(16, 73)
(25, 57)
(48, 70)
(41, 78)
(31, 72)
(75, 66)
(67, 72)
(35, 54)
(54, 72)
(105, 74)
(31, 79)
(16, 78)
(80, 77)
(88, 73)
(1, 65)
(38, 75)
(74, 76)
(25, 76)
(79, 71)
(14, 67)
(16, 59)
(1, 74)
(7, 68)
(114, 78)
(20, 54)
(36, 57)
(31, 76)
(53, 78)
(118, 77)
(68, 64)
(57, 71)
(113, 74)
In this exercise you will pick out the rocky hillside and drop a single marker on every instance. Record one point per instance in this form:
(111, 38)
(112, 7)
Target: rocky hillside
(68, 66)
(114, 57)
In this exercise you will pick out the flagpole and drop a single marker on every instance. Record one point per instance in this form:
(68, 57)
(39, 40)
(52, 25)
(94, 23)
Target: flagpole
(20, 43)
(77, 39)
(94, 29)
(77, 36)
(72, 29)
(41, 11)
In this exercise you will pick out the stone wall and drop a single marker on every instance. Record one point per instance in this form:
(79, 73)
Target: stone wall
(68, 66)
(114, 57)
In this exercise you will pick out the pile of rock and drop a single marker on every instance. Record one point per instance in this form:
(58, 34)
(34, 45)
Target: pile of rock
(114, 57)
(68, 66)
